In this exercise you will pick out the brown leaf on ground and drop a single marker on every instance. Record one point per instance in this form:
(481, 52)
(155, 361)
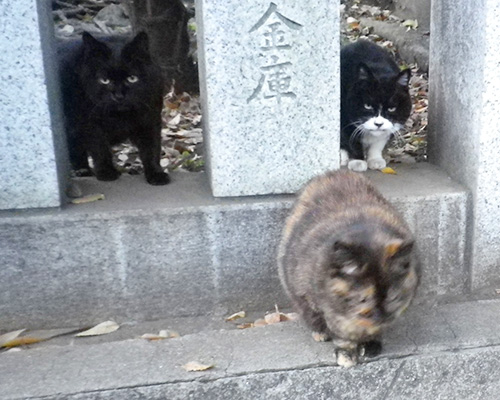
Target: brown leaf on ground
(33, 337)
(163, 334)
(100, 329)
(88, 198)
(235, 316)
(8, 337)
(260, 322)
(246, 325)
(197, 366)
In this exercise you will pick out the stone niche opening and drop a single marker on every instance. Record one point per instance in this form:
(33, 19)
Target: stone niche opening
(270, 121)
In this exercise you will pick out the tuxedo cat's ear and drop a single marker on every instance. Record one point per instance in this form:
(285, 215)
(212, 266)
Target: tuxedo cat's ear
(93, 46)
(364, 73)
(138, 48)
(404, 77)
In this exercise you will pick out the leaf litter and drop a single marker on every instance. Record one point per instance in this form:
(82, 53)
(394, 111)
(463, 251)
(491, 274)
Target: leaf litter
(269, 319)
(14, 339)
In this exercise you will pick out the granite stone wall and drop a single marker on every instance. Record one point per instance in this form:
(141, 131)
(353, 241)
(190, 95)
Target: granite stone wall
(269, 74)
(30, 127)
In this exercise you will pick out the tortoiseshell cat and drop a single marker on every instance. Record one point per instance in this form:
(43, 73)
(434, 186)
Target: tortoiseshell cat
(375, 103)
(348, 263)
(112, 92)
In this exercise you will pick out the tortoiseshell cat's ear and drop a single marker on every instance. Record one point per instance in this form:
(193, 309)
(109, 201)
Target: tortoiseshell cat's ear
(138, 48)
(398, 248)
(93, 47)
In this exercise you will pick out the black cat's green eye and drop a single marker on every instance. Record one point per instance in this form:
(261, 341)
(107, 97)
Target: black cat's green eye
(368, 107)
(132, 79)
(104, 81)
(391, 109)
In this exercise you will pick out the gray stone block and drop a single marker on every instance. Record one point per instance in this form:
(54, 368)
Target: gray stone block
(31, 129)
(464, 111)
(269, 76)
(149, 253)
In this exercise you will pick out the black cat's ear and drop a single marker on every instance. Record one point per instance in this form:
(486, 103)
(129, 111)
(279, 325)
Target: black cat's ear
(94, 47)
(404, 77)
(138, 48)
(364, 73)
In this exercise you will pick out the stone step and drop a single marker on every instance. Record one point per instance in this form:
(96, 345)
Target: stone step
(443, 351)
(147, 253)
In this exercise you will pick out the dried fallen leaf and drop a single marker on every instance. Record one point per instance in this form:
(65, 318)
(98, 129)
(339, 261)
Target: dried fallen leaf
(22, 341)
(291, 316)
(410, 23)
(237, 315)
(388, 170)
(245, 325)
(196, 366)
(163, 334)
(34, 337)
(88, 198)
(101, 329)
(260, 322)
(273, 318)
(9, 336)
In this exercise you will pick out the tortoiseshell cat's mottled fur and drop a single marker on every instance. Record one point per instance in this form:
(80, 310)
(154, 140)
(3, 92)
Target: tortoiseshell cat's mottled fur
(347, 261)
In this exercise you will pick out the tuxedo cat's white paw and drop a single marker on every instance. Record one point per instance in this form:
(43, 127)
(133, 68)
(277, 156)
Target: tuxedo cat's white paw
(344, 158)
(357, 165)
(376, 163)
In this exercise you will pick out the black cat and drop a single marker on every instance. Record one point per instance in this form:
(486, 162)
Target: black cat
(375, 103)
(112, 92)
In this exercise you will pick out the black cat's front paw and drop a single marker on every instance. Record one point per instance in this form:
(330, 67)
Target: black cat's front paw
(371, 349)
(157, 178)
(107, 174)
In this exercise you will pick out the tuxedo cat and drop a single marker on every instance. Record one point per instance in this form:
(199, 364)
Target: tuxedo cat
(112, 92)
(347, 261)
(375, 103)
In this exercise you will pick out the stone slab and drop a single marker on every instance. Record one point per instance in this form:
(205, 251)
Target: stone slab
(149, 252)
(31, 129)
(269, 74)
(464, 111)
(443, 352)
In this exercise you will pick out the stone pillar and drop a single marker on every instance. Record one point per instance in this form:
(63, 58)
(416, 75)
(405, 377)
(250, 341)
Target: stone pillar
(464, 119)
(269, 74)
(29, 176)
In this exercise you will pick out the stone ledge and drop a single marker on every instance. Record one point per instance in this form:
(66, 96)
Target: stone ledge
(448, 351)
(148, 253)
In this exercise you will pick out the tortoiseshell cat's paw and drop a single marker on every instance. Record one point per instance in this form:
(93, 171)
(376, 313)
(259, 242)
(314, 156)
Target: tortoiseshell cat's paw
(107, 174)
(158, 178)
(346, 358)
(321, 337)
(370, 349)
